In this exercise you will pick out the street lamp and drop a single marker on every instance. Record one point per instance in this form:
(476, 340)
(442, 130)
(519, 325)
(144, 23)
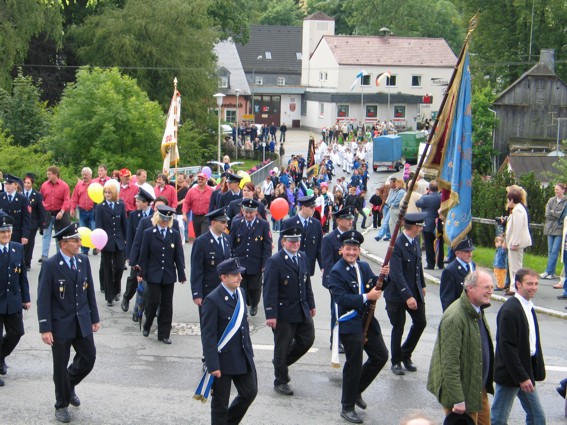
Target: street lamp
(219, 97)
(237, 91)
(254, 84)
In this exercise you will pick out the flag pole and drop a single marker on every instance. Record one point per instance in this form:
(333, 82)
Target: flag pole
(404, 204)
(175, 126)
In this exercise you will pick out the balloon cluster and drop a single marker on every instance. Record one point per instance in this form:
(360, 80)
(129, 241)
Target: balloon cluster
(96, 238)
(245, 178)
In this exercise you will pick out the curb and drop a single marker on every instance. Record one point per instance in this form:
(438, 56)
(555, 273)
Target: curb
(433, 280)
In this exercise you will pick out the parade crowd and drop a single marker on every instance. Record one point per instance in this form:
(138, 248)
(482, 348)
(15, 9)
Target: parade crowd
(232, 268)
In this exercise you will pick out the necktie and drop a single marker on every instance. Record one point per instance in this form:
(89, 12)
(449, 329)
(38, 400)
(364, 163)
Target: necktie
(112, 205)
(4, 251)
(294, 258)
(219, 241)
(249, 225)
(72, 263)
(467, 268)
(10, 197)
(28, 195)
(305, 223)
(163, 233)
(234, 296)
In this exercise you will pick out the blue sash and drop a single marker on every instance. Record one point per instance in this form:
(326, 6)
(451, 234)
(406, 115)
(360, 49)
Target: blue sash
(204, 389)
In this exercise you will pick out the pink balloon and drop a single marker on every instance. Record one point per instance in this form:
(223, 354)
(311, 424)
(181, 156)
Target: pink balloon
(99, 238)
(134, 179)
(207, 171)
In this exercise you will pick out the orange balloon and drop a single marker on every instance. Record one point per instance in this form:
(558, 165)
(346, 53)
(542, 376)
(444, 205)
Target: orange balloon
(279, 208)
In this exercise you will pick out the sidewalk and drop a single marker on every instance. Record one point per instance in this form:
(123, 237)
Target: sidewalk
(546, 301)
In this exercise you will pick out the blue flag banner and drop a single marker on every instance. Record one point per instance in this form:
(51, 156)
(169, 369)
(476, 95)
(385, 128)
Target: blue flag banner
(455, 168)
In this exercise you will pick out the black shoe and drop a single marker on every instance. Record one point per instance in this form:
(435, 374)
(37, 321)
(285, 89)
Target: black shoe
(283, 389)
(351, 416)
(562, 297)
(1, 383)
(166, 341)
(62, 414)
(117, 297)
(378, 238)
(74, 400)
(397, 369)
(125, 304)
(135, 318)
(561, 391)
(386, 239)
(3, 367)
(253, 311)
(42, 259)
(409, 365)
(341, 348)
(146, 333)
(428, 268)
(28, 268)
(360, 402)
(110, 304)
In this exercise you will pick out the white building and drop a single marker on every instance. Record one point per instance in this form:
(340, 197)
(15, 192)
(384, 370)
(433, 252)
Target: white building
(420, 70)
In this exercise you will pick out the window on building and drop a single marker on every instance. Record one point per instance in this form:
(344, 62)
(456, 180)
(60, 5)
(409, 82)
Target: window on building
(298, 56)
(258, 80)
(322, 76)
(365, 80)
(223, 82)
(342, 111)
(268, 55)
(230, 115)
(280, 81)
(391, 81)
(399, 111)
(371, 111)
(416, 80)
(321, 108)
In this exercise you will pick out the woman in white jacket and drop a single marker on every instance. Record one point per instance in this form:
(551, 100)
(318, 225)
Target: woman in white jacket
(518, 236)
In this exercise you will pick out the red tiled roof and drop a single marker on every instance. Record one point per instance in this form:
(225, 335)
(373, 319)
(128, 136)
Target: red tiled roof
(391, 51)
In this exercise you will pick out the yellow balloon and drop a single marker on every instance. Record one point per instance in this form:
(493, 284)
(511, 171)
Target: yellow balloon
(245, 178)
(85, 234)
(95, 192)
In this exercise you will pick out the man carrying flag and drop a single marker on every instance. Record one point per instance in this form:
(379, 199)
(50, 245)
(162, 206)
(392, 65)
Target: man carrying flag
(228, 349)
(169, 150)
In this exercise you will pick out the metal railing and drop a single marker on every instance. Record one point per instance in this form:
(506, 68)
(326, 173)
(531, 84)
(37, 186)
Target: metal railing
(260, 175)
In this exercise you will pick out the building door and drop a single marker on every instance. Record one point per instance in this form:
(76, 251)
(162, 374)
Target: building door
(267, 109)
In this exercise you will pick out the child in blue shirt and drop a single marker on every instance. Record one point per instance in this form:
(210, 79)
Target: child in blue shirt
(500, 263)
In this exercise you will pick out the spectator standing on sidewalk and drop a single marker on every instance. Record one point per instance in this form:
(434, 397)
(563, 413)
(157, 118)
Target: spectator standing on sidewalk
(555, 211)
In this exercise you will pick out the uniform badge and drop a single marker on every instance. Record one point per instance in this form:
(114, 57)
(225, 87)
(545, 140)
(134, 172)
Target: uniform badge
(212, 262)
(173, 245)
(284, 283)
(226, 298)
(286, 257)
(211, 241)
(85, 286)
(367, 286)
(261, 238)
(237, 240)
(60, 263)
(407, 244)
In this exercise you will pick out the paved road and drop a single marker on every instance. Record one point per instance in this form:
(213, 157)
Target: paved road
(140, 380)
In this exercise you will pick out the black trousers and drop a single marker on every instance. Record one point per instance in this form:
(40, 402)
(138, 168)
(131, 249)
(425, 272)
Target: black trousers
(429, 242)
(159, 295)
(252, 286)
(112, 264)
(397, 316)
(291, 342)
(357, 376)
(247, 387)
(28, 248)
(65, 377)
(200, 224)
(14, 326)
(376, 218)
(131, 284)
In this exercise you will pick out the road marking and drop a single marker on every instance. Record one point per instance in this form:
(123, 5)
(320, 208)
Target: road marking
(266, 347)
(556, 368)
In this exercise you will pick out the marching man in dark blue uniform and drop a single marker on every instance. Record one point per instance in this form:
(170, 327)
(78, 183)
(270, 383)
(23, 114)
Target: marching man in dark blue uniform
(312, 231)
(37, 214)
(68, 316)
(233, 192)
(14, 291)
(252, 244)
(143, 201)
(352, 284)
(209, 250)
(289, 306)
(331, 251)
(228, 349)
(453, 277)
(162, 263)
(16, 205)
(406, 293)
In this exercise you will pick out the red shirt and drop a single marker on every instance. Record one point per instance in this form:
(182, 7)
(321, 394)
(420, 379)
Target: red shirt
(56, 196)
(80, 197)
(169, 193)
(127, 194)
(197, 200)
(100, 180)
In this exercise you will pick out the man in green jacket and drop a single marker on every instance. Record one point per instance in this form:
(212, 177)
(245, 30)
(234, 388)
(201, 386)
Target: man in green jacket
(461, 370)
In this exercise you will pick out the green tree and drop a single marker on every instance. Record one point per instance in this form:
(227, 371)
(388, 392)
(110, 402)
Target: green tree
(196, 144)
(20, 20)
(232, 18)
(484, 121)
(105, 117)
(23, 114)
(435, 18)
(282, 12)
(155, 41)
